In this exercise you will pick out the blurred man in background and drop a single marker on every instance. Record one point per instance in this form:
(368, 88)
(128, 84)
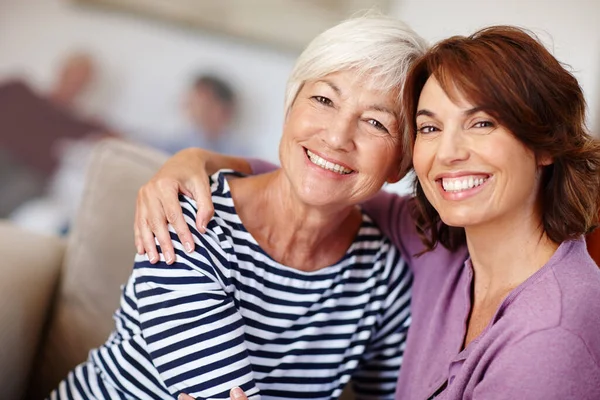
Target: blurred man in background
(210, 108)
(74, 78)
(34, 125)
(46, 140)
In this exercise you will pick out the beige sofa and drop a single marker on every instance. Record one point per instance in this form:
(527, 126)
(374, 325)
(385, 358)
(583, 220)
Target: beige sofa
(57, 296)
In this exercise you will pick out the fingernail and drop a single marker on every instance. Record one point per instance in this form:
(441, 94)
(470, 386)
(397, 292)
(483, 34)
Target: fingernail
(237, 393)
(168, 257)
(151, 257)
(188, 247)
(203, 228)
(180, 397)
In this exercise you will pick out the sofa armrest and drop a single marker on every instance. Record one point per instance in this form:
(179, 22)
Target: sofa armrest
(29, 270)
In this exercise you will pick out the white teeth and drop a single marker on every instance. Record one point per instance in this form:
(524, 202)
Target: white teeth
(460, 184)
(328, 165)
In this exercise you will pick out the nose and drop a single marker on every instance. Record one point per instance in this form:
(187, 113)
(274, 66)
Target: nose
(340, 133)
(453, 146)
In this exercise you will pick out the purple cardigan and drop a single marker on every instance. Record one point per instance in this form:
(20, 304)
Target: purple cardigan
(543, 342)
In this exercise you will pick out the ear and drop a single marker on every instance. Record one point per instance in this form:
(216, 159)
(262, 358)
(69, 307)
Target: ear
(394, 176)
(544, 160)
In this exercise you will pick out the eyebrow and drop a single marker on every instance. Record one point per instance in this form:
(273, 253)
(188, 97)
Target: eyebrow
(380, 108)
(332, 85)
(467, 113)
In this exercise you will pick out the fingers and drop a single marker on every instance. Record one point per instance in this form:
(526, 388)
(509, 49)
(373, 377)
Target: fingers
(174, 216)
(237, 394)
(160, 229)
(150, 222)
(200, 191)
(144, 238)
(158, 204)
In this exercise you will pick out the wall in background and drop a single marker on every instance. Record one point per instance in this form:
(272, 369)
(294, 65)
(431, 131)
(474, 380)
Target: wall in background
(569, 28)
(146, 65)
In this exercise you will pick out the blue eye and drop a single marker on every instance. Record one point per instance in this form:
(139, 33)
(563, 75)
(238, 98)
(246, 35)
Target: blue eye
(323, 100)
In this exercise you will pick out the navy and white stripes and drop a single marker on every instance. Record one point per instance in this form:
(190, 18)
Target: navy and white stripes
(228, 315)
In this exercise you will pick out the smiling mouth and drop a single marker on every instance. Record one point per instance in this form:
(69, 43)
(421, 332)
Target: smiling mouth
(455, 185)
(327, 165)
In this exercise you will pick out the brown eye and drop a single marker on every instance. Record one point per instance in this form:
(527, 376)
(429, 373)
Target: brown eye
(484, 124)
(377, 125)
(323, 100)
(427, 129)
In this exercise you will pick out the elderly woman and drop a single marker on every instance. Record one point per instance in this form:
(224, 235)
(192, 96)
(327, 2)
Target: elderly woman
(506, 170)
(291, 290)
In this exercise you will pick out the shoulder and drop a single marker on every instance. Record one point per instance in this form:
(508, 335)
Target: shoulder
(558, 343)
(372, 245)
(561, 305)
(225, 215)
(394, 214)
(578, 281)
(551, 364)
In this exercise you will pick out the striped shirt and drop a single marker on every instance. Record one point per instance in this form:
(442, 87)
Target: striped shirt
(228, 315)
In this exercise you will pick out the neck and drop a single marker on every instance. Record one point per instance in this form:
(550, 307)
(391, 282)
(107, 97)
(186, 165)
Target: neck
(294, 233)
(505, 253)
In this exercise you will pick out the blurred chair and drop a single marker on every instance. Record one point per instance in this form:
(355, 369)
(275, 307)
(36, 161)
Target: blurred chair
(57, 297)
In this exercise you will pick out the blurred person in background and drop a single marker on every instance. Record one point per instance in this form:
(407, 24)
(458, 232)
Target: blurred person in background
(209, 107)
(50, 136)
(74, 78)
(35, 125)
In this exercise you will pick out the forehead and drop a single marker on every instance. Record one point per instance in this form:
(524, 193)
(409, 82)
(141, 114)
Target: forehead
(434, 94)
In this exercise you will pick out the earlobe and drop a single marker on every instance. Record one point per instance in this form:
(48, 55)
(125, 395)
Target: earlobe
(545, 160)
(394, 177)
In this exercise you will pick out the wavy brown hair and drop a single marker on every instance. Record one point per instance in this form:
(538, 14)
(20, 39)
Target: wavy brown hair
(514, 78)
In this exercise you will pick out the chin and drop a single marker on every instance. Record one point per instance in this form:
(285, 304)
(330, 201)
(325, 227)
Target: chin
(316, 195)
(458, 220)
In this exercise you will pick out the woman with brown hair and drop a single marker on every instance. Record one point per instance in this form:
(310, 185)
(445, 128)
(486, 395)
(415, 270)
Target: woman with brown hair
(506, 171)
(506, 167)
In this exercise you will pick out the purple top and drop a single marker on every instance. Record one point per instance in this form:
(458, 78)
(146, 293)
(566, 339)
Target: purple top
(542, 343)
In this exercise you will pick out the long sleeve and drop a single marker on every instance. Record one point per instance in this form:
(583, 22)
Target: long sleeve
(192, 328)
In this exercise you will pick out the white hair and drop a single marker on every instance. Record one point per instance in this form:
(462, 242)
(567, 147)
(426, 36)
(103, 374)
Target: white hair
(378, 47)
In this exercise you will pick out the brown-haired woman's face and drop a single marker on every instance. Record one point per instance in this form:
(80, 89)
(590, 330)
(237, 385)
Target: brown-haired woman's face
(472, 169)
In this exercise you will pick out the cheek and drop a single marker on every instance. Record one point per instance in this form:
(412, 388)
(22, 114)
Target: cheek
(382, 155)
(422, 158)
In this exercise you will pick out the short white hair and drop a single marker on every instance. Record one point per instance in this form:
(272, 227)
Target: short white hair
(376, 46)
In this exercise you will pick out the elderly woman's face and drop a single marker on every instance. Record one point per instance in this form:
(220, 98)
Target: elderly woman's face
(472, 169)
(341, 140)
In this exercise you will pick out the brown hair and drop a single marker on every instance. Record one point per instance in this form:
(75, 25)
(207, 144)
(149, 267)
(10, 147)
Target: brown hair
(509, 74)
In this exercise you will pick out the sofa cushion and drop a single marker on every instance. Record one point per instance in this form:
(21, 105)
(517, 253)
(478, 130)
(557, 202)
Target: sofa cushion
(99, 259)
(30, 268)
